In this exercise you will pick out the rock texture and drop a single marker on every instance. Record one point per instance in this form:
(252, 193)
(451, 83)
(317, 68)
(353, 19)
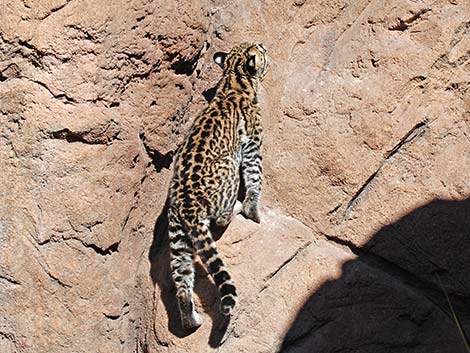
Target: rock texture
(366, 199)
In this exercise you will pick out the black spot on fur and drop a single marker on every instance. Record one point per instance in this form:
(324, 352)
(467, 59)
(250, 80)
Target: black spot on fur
(199, 244)
(176, 238)
(198, 158)
(215, 265)
(206, 255)
(177, 252)
(240, 82)
(187, 200)
(221, 277)
(209, 93)
(185, 163)
(227, 288)
(228, 301)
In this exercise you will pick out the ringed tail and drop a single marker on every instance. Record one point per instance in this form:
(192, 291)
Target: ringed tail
(207, 251)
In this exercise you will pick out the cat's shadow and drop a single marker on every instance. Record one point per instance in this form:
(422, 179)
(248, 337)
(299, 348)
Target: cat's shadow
(204, 288)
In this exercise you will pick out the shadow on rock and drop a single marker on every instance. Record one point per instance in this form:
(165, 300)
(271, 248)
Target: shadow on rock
(389, 298)
(209, 93)
(206, 291)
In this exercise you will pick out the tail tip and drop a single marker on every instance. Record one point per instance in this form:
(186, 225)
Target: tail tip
(227, 305)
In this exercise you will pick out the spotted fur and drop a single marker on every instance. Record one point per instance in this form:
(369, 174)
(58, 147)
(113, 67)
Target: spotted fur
(225, 137)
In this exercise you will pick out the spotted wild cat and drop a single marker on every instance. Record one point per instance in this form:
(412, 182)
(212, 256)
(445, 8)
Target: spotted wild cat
(225, 137)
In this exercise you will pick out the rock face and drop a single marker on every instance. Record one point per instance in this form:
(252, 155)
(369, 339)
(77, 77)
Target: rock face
(366, 205)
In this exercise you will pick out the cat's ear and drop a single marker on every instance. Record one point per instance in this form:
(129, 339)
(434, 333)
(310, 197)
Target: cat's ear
(251, 65)
(219, 58)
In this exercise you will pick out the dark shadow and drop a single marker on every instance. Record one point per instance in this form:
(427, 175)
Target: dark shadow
(204, 288)
(160, 161)
(209, 93)
(389, 298)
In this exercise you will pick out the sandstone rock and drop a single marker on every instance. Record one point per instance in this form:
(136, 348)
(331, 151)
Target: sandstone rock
(366, 111)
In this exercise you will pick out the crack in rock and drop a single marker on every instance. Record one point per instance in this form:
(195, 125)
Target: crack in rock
(60, 96)
(70, 136)
(416, 131)
(55, 9)
(404, 24)
(90, 137)
(9, 279)
(123, 313)
(99, 250)
(29, 52)
(284, 264)
(52, 277)
(9, 337)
